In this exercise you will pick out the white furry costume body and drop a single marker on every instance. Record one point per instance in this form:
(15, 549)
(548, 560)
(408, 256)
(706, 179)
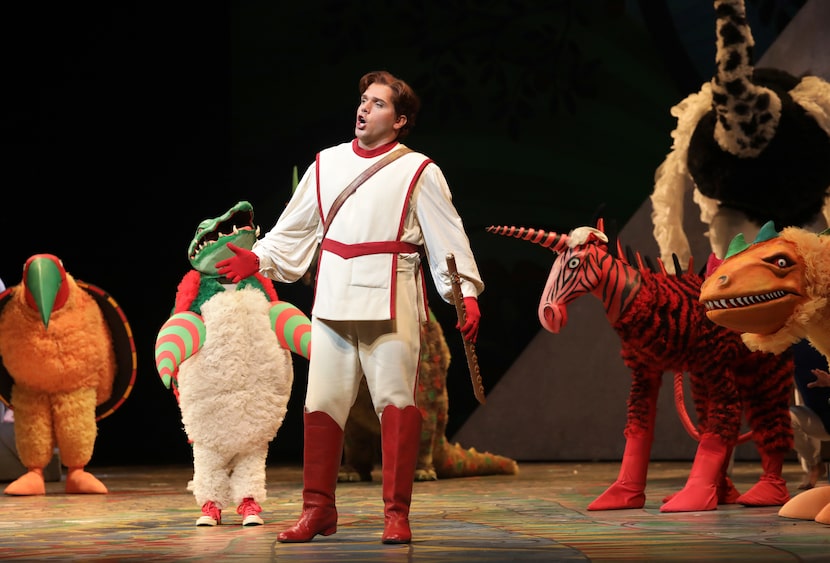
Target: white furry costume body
(233, 396)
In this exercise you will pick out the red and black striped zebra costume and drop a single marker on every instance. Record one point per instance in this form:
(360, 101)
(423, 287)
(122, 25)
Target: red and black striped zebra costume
(663, 327)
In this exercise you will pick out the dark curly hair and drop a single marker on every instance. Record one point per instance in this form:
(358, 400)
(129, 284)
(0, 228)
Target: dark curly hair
(404, 98)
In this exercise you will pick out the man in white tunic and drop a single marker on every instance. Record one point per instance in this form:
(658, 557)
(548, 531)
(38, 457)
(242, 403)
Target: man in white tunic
(369, 294)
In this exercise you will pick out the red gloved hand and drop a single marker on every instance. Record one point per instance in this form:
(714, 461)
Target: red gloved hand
(473, 318)
(236, 268)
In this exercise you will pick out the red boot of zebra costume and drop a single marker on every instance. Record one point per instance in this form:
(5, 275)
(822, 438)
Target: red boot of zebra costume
(629, 490)
(701, 490)
(771, 488)
(727, 493)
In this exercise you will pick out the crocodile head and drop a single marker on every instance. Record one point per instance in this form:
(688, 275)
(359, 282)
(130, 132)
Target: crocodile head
(758, 287)
(210, 243)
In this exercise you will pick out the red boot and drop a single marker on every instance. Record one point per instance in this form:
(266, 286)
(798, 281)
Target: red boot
(701, 489)
(771, 488)
(322, 452)
(629, 490)
(727, 493)
(400, 433)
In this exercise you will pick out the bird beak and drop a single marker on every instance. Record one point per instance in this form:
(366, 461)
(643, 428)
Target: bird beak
(43, 282)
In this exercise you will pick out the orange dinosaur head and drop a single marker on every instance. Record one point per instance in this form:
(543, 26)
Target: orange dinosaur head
(758, 287)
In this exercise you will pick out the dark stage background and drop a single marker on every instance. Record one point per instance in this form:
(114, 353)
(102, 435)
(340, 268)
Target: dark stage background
(130, 122)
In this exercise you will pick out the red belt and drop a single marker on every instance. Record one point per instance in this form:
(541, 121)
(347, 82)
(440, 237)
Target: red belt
(363, 248)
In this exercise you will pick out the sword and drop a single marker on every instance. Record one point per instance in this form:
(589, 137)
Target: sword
(469, 347)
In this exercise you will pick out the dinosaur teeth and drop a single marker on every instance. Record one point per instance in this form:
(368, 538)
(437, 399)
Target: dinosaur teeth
(744, 301)
(712, 305)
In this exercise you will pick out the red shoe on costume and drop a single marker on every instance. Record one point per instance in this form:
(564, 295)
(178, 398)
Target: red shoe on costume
(211, 515)
(249, 509)
(628, 491)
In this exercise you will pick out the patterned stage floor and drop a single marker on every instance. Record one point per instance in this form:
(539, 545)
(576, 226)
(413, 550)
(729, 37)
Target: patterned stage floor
(538, 515)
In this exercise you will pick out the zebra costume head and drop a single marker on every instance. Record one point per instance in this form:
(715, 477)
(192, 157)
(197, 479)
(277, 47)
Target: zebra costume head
(574, 271)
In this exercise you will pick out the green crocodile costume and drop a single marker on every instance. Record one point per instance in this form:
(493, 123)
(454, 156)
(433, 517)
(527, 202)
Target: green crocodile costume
(226, 353)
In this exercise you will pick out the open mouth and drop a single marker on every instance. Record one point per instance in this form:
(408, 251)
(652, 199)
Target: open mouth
(214, 237)
(228, 225)
(745, 301)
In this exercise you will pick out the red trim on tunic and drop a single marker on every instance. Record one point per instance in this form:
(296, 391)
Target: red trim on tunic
(371, 153)
(393, 294)
(408, 197)
(414, 181)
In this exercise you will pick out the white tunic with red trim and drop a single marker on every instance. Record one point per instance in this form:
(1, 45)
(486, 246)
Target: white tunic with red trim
(405, 206)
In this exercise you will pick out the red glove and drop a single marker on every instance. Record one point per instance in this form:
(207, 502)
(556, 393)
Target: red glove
(236, 268)
(473, 318)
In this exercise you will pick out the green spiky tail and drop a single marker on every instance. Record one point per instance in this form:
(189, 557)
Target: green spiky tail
(452, 460)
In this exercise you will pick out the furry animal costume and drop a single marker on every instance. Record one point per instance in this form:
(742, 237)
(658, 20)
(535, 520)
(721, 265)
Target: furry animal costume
(663, 327)
(753, 144)
(62, 344)
(777, 292)
(231, 372)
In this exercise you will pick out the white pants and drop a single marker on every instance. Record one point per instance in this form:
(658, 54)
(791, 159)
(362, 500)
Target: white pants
(386, 352)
